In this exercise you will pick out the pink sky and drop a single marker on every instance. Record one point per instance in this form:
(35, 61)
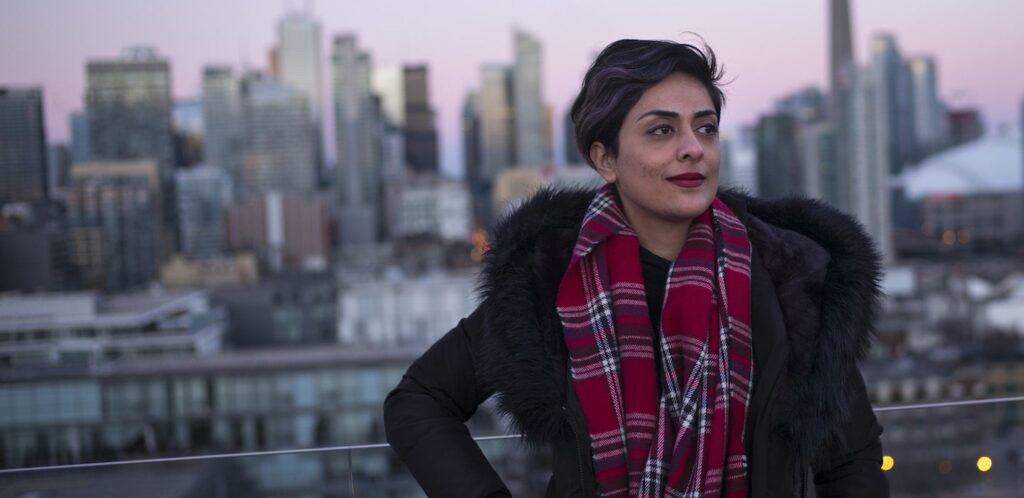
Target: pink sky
(769, 48)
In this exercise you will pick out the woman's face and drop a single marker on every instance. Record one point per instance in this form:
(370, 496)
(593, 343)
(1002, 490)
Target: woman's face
(667, 166)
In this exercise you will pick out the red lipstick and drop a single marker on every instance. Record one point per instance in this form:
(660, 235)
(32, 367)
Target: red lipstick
(687, 180)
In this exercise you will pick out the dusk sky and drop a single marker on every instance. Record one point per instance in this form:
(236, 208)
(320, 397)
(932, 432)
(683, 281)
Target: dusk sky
(769, 48)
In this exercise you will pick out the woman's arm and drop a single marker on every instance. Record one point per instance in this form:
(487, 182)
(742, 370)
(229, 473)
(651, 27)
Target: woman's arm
(424, 417)
(856, 470)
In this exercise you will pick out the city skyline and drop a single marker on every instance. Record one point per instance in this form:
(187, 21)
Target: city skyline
(191, 35)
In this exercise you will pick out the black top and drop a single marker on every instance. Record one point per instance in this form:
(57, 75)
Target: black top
(655, 270)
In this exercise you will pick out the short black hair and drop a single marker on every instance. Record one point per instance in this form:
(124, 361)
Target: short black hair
(621, 74)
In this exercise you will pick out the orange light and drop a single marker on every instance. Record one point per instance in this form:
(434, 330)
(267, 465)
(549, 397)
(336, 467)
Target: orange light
(984, 464)
(888, 463)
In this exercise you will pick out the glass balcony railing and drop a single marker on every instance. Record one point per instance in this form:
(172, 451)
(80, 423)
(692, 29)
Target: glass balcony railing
(972, 448)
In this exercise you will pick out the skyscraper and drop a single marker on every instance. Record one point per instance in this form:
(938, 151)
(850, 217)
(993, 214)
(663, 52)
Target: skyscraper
(841, 73)
(893, 92)
(80, 150)
(203, 193)
(497, 138)
(779, 167)
(113, 212)
(128, 104)
(222, 121)
(23, 175)
(278, 151)
(531, 144)
(420, 128)
(299, 61)
(870, 167)
(358, 129)
(929, 115)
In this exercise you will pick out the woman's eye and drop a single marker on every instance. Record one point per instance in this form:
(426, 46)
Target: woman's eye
(708, 129)
(660, 130)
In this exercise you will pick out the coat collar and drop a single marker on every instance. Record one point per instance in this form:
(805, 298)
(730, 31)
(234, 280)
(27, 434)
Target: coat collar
(823, 265)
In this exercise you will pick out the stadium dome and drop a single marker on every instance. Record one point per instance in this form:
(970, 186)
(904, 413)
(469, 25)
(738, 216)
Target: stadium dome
(992, 164)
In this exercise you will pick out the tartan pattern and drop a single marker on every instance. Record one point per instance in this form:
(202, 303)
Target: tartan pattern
(687, 443)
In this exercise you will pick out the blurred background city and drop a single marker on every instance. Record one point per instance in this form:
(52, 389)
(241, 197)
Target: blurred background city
(228, 227)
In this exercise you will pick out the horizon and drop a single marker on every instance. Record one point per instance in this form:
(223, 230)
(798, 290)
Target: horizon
(191, 34)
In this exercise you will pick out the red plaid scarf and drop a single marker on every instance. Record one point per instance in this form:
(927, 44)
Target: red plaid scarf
(688, 442)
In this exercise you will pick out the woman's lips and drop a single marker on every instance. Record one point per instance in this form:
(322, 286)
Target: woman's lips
(687, 180)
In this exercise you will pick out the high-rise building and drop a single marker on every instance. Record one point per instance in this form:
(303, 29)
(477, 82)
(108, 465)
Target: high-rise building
(187, 122)
(203, 193)
(299, 61)
(286, 232)
(894, 95)
(497, 130)
(388, 83)
(929, 122)
(841, 73)
(129, 104)
(298, 38)
(358, 141)
(479, 186)
(780, 171)
(23, 176)
(420, 129)
(58, 169)
(531, 144)
(871, 169)
(222, 120)
(80, 150)
(113, 220)
(278, 140)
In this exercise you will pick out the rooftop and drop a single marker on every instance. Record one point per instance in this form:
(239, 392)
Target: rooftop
(989, 165)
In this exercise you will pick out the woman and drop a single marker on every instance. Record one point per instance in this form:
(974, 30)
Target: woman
(662, 337)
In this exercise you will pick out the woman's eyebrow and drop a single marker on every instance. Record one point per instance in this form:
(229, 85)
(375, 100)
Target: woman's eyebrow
(660, 113)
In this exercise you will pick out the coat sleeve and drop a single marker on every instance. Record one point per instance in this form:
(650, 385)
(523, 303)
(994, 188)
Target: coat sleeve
(856, 469)
(425, 415)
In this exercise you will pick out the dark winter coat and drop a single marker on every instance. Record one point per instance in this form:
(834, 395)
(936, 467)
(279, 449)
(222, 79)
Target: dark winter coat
(814, 292)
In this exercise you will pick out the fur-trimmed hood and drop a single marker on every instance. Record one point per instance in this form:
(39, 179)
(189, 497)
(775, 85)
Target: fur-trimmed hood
(824, 267)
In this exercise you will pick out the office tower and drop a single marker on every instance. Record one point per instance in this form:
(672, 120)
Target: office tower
(286, 232)
(358, 130)
(113, 211)
(420, 128)
(870, 169)
(58, 169)
(222, 121)
(128, 103)
(187, 123)
(497, 139)
(814, 141)
(23, 175)
(929, 122)
(479, 187)
(779, 167)
(572, 151)
(298, 37)
(388, 83)
(80, 150)
(278, 140)
(203, 193)
(841, 73)
(894, 96)
(299, 66)
(531, 144)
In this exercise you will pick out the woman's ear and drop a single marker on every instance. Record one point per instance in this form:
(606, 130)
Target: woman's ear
(603, 161)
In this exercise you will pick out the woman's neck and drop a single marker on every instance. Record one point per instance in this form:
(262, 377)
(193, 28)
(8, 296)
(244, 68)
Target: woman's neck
(664, 238)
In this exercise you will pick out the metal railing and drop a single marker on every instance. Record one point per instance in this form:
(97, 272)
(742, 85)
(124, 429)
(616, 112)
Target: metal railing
(350, 449)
